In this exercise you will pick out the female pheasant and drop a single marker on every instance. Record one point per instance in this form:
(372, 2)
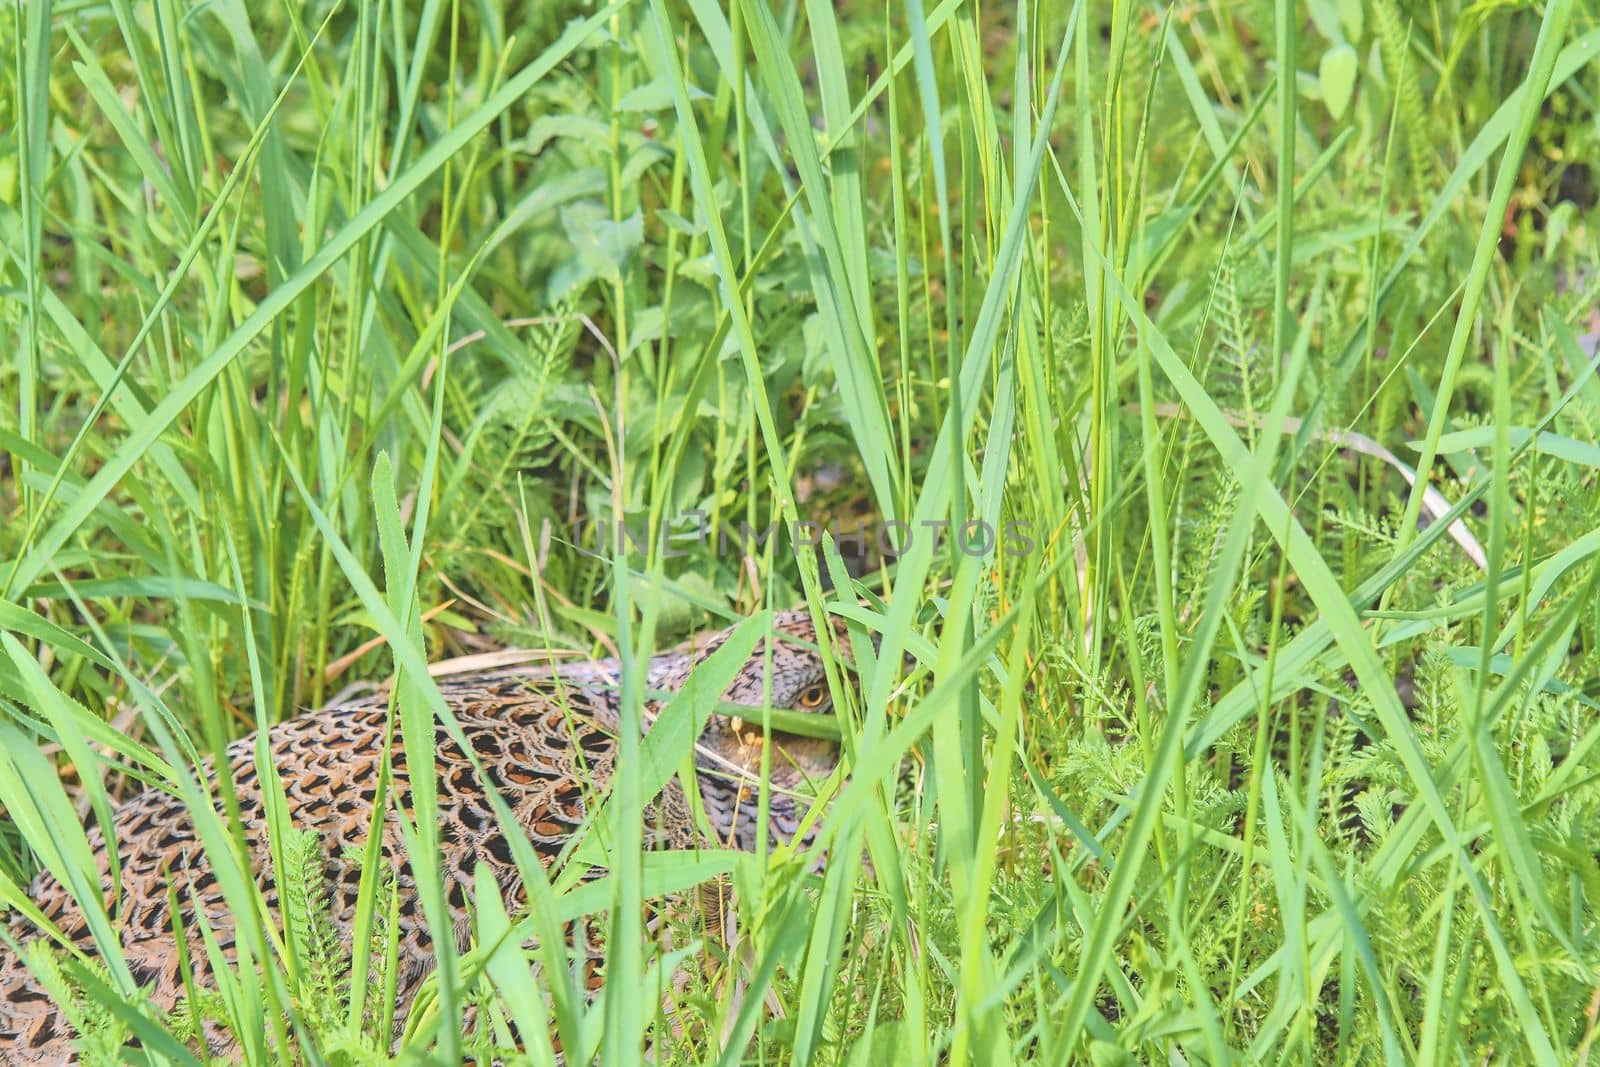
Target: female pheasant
(546, 739)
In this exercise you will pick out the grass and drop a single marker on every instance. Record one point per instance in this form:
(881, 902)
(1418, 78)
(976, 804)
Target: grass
(342, 335)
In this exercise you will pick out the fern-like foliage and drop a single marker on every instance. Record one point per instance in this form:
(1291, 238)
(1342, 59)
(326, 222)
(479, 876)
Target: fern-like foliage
(101, 1033)
(1394, 45)
(1240, 293)
(511, 423)
(322, 986)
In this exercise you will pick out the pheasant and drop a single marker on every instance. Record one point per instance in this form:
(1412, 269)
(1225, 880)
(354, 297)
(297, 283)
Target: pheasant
(546, 739)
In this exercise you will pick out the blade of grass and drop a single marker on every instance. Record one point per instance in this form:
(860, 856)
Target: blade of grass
(143, 435)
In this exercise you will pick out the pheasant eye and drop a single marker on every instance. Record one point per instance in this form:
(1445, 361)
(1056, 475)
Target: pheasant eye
(813, 697)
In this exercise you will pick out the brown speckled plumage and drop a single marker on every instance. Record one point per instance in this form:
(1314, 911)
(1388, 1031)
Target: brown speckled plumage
(546, 739)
